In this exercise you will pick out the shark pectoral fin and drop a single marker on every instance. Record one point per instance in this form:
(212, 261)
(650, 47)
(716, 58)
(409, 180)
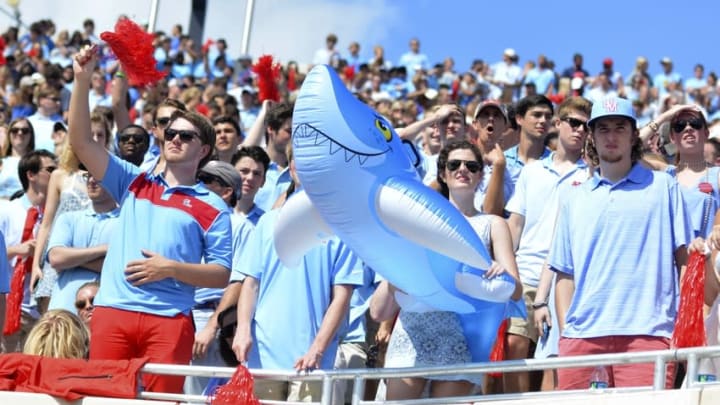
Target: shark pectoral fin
(298, 229)
(496, 289)
(423, 216)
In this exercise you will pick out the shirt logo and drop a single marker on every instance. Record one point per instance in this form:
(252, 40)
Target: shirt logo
(610, 105)
(186, 202)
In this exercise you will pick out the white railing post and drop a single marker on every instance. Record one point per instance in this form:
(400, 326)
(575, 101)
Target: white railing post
(692, 369)
(327, 390)
(358, 390)
(659, 377)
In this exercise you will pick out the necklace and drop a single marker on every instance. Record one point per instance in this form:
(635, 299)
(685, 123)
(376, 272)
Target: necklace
(696, 165)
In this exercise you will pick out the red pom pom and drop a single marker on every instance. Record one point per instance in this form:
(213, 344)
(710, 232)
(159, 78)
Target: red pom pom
(292, 80)
(239, 390)
(268, 76)
(2, 51)
(134, 49)
(690, 324)
(498, 351)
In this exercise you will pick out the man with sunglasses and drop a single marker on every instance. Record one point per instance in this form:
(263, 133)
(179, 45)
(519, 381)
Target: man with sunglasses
(133, 143)
(78, 244)
(532, 209)
(161, 117)
(619, 245)
(173, 235)
(34, 171)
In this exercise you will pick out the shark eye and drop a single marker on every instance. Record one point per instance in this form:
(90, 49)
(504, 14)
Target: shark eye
(384, 130)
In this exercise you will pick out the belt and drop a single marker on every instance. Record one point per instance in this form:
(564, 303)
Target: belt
(207, 305)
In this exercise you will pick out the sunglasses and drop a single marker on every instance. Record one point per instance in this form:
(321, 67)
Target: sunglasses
(679, 125)
(138, 138)
(209, 178)
(20, 130)
(471, 165)
(575, 123)
(161, 122)
(82, 304)
(185, 135)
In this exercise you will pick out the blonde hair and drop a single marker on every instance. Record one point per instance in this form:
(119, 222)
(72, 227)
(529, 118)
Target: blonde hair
(68, 159)
(59, 334)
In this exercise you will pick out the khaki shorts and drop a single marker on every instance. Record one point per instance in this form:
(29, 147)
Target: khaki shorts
(526, 326)
(293, 391)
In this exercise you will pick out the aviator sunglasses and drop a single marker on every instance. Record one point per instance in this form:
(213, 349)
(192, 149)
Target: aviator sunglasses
(471, 165)
(185, 135)
(679, 125)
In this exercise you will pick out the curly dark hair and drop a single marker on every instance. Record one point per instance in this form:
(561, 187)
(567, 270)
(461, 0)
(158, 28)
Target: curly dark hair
(443, 159)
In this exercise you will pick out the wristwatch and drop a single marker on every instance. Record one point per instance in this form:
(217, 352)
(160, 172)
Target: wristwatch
(539, 305)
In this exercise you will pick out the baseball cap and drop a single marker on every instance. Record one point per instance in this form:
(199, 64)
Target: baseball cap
(666, 61)
(612, 107)
(59, 126)
(509, 52)
(491, 104)
(607, 62)
(225, 172)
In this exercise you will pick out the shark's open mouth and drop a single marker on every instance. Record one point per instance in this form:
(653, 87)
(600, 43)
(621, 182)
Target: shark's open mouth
(306, 132)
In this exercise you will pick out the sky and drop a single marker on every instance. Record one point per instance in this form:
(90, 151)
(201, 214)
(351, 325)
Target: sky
(462, 29)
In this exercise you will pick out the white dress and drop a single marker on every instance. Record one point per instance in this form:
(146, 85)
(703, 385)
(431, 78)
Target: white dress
(434, 338)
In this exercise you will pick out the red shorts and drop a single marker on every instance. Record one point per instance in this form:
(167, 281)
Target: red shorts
(623, 375)
(118, 334)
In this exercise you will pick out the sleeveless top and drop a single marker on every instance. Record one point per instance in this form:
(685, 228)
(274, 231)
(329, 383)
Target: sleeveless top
(73, 197)
(696, 200)
(434, 338)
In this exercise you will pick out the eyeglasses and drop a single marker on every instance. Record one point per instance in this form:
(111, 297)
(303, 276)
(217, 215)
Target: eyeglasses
(679, 125)
(209, 178)
(87, 177)
(185, 135)
(20, 130)
(138, 138)
(82, 304)
(471, 165)
(162, 121)
(49, 169)
(575, 123)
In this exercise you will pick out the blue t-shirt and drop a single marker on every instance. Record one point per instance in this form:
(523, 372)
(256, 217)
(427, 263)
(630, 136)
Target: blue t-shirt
(241, 228)
(618, 242)
(188, 224)
(292, 302)
(277, 180)
(78, 229)
(4, 267)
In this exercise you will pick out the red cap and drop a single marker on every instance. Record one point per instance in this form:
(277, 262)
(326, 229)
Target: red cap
(607, 62)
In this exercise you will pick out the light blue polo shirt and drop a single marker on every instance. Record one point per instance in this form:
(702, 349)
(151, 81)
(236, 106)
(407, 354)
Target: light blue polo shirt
(536, 198)
(189, 224)
(353, 331)
(514, 165)
(241, 228)
(618, 243)
(78, 229)
(277, 181)
(292, 302)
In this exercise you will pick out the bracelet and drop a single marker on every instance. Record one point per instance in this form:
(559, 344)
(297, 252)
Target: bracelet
(539, 305)
(120, 74)
(654, 126)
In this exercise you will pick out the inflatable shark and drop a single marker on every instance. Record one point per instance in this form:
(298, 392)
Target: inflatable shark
(359, 183)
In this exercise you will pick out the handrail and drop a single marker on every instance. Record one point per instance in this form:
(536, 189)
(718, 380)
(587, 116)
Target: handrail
(658, 357)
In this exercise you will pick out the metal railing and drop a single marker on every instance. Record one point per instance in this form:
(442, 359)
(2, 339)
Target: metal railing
(359, 376)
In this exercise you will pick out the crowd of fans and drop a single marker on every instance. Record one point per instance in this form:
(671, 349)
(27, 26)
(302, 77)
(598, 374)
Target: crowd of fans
(92, 168)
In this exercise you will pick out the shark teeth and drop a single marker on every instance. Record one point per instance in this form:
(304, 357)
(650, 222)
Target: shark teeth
(335, 148)
(320, 139)
(362, 159)
(349, 155)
